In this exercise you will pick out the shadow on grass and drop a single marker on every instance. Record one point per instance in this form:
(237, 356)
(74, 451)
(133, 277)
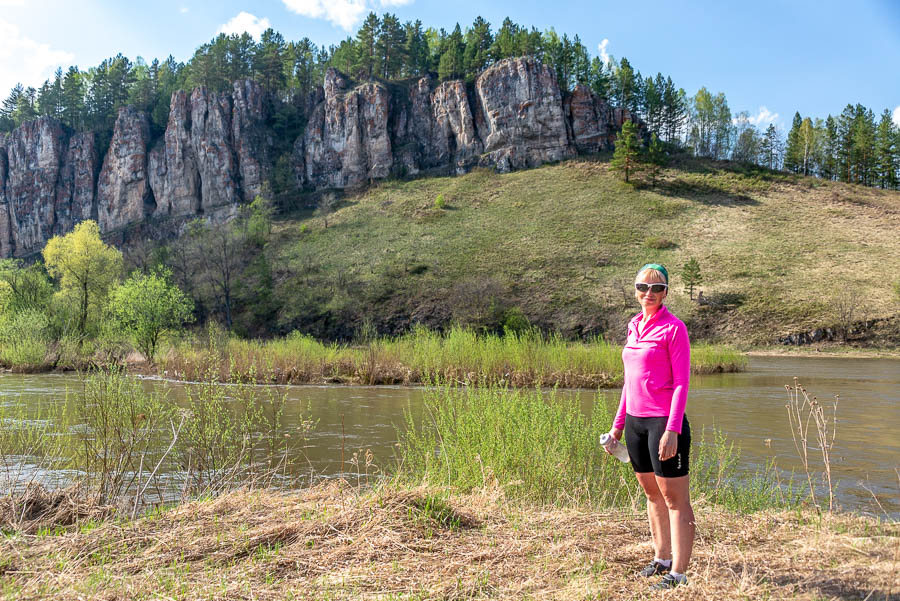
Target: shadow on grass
(826, 585)
(708, 193)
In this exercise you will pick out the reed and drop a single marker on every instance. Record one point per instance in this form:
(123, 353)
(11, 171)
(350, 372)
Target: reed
(804, 412)
(544, 449)
(524, 359)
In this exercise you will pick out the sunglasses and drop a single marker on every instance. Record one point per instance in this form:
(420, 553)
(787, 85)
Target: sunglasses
(654, 288)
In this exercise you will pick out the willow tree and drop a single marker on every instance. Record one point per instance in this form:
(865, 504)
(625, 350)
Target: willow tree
(86, 267)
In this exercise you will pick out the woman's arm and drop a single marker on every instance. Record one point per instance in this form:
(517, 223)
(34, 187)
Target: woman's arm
(619, 421)
(680, 357)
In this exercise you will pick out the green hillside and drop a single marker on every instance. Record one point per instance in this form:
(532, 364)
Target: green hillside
(778, 253)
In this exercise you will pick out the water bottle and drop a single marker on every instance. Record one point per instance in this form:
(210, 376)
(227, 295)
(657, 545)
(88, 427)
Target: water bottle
(613, 446)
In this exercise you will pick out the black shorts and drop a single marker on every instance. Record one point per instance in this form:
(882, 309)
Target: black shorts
(642, 436)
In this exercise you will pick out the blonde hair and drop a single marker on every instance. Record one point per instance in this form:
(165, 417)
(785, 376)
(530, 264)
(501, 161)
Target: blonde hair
(653, 275)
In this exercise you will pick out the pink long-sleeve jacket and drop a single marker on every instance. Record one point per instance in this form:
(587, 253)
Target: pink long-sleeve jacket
(657, 360)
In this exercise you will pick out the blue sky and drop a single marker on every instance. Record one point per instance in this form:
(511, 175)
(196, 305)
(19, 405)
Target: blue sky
(770, 58)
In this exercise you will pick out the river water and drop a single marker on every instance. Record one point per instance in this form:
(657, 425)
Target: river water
(749, 407)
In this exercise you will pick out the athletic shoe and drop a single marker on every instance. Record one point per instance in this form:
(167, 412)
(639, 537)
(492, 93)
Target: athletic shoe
(654, 568)
(667, 583)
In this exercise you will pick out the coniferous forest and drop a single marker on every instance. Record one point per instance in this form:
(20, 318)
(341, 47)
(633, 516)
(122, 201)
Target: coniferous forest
(855, 146)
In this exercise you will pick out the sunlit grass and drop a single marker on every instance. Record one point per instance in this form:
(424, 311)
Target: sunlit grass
(529, 358)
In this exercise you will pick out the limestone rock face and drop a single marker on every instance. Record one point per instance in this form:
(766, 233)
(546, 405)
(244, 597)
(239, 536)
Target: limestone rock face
(251, 140)
(522, 115)
(218, 149)
(76, 190)
(172, 166)
(211, 141)
(30, 166)
(455, 124)
(346, 142)
(590, 118)
(123, 189)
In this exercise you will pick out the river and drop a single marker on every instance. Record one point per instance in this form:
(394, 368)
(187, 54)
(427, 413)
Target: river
(749, 407)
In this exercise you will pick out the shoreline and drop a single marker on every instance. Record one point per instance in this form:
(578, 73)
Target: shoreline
(337, 542)
(818, 352)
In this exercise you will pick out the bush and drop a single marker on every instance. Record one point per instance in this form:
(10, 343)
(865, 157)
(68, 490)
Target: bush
(439, 201)
(514, 320)
(24, 338)
(659, 243)
(147, 306)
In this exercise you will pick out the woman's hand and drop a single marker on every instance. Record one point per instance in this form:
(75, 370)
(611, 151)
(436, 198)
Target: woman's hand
(668, 445)
(615, 433)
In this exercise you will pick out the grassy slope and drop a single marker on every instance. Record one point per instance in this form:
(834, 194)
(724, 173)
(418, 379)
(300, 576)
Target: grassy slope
(333, 543)
(562, 242)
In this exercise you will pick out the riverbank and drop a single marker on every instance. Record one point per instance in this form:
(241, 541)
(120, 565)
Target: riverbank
(335, 542)
(825, 350)
(518, 359)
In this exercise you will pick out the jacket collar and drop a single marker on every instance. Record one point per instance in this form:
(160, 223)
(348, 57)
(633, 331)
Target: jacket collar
(660, 313)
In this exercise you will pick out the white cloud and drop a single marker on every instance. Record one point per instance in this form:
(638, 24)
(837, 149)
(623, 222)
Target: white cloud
(26, 61)
(763, 117)
(343, 13)
(183, 9)
(604, 55)
(245, 22)
(897, 116)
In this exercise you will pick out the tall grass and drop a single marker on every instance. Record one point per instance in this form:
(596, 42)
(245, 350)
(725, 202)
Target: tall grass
(122, 446)
(543, 449)
(461, 355)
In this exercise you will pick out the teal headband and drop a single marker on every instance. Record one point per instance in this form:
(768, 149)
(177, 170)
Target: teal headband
(658, 268)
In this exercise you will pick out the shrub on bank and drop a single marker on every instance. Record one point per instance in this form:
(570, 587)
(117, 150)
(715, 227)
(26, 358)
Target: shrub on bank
(24, 338)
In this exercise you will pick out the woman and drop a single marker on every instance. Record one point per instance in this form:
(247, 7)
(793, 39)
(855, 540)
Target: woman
(657, 358)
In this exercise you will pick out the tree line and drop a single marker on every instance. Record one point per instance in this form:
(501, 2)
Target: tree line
(851, 147)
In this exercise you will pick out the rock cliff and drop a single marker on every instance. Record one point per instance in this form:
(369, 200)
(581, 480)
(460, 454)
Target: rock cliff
(218, 148)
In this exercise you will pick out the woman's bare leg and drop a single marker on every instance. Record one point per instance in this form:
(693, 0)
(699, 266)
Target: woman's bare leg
(677, 495)
(658, 514)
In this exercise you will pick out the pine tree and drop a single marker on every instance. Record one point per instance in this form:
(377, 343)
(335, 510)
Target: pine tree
(675, 111)
(598, 78)
(656, 157)
(886, 152)
(478, 47)
(624, 84)
(366, 41)
(451, 64)
(831, 142)
(652, 108)
(627, 150)
(845, 143)
(690, 273)
(505, 42)
(416, 49)
(792, 149)
(269, 61)
(390, 47)
(771, 148)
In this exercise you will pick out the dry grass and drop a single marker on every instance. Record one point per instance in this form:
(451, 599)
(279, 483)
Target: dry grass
(333, 543)
(37, 509)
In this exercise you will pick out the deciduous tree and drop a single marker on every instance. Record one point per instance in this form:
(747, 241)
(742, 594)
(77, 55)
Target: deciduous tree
(86, 267)
(146, 306)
